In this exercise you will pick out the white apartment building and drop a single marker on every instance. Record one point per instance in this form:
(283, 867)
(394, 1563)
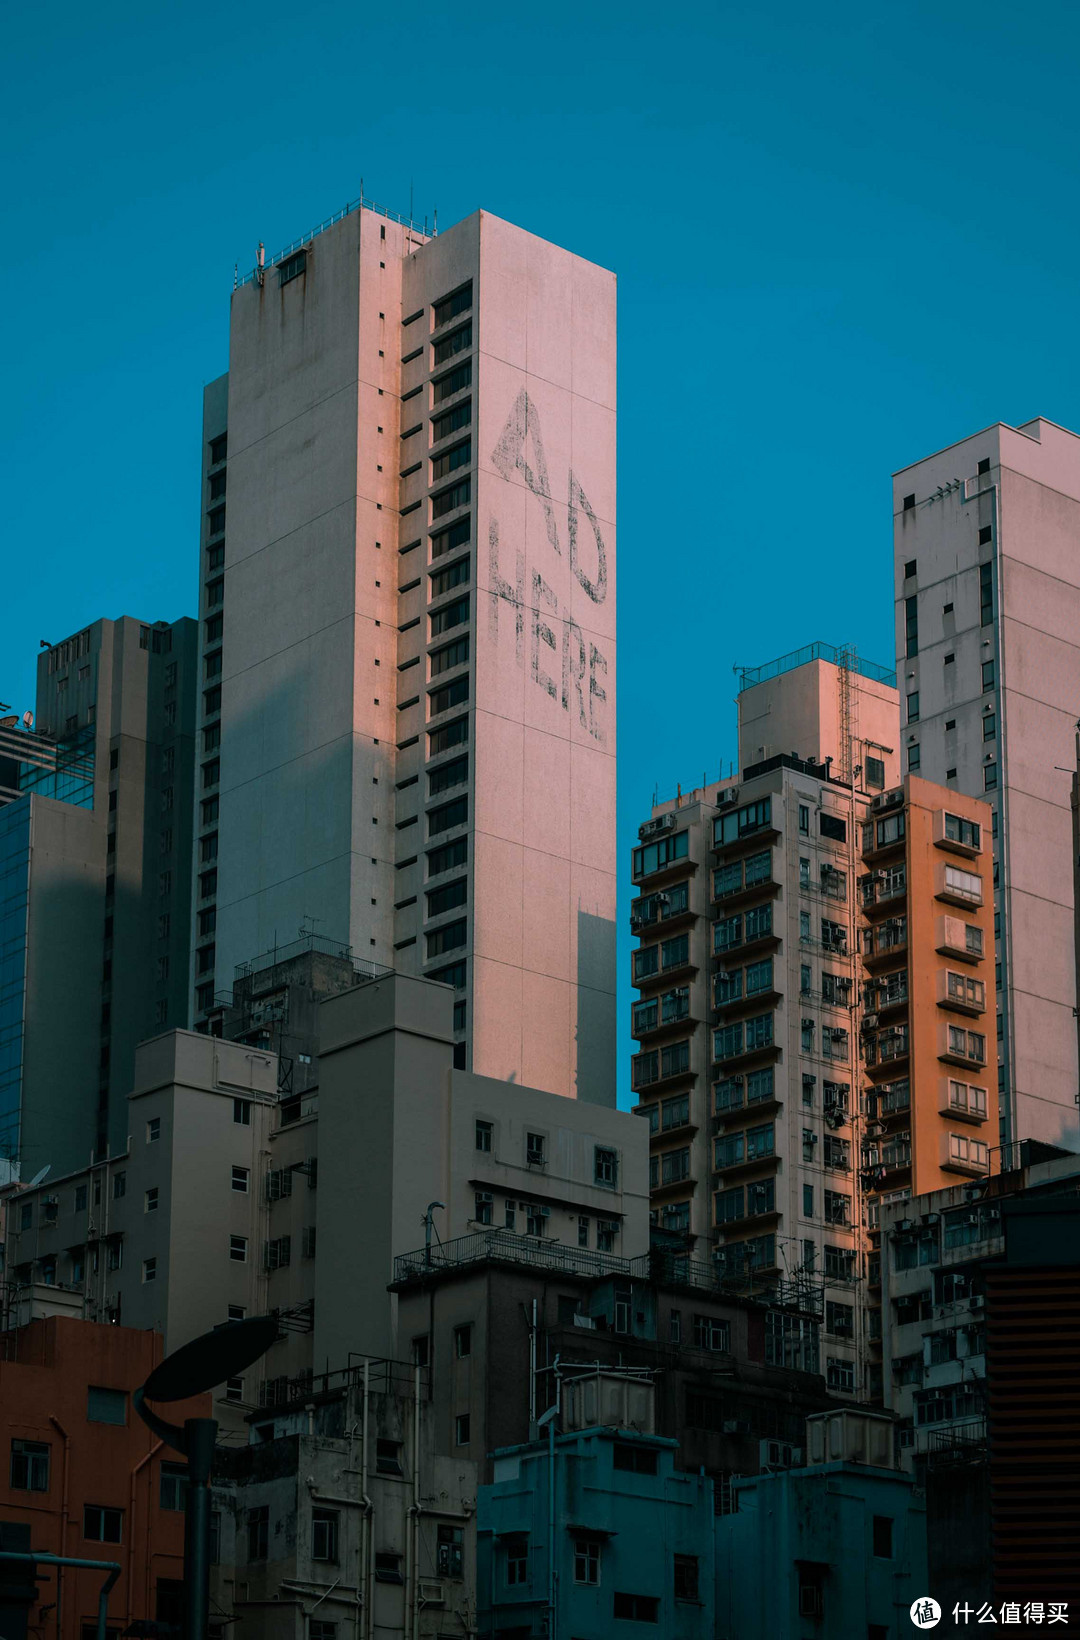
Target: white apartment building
(229, 1200)
(988, 659)
(408, 607)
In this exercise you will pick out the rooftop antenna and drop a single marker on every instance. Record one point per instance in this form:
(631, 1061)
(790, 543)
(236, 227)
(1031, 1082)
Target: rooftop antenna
(410, 201)
(39, 1175)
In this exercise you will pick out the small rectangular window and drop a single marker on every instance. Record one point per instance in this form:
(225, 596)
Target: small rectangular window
(240, 1178)
(106, 1406)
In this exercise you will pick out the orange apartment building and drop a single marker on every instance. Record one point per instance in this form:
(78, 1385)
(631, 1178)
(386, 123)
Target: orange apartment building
(929, 1022)
(88, 1476)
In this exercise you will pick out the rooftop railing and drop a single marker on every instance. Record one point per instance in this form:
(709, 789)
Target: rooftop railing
(339, 216)
(749, 675)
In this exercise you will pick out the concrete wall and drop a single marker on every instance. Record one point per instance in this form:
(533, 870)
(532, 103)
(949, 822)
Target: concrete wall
(1029, 502)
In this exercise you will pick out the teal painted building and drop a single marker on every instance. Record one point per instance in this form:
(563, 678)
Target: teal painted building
(836, 1551)
(627, 1551)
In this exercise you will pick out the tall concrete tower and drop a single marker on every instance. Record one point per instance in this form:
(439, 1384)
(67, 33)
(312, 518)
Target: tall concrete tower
(987, 565)
(408, 605)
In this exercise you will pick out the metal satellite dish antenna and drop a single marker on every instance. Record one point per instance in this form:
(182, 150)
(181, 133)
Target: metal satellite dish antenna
(39, 1175)
(28, 721)
(191, 1370)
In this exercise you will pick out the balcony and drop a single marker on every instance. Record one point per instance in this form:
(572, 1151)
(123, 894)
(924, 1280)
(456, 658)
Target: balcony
(957, 835)
(883, 891)
(759, 1166)
(757, 1054)
(732, 1004)
(888, 1101)
(959, 1047)
(963, 1102)
(662, 1027)
(664, 909)
(887, 1050)
(726, 899)
(681, 968)
(742, 1101)
(958, 887)
(885, 943)
(961, 993)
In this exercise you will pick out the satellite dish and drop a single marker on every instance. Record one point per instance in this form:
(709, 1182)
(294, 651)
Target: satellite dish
(209, 1360)
(39, 1175)
(28, 721)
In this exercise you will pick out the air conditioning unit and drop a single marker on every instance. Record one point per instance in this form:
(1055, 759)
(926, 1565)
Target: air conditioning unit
(652, 828)
(585, 1321)
(978, 1301)
(870, 1022)
(432, 1593)
(779, 1455)
(887, 800)
(729, 796)
(906, 1224)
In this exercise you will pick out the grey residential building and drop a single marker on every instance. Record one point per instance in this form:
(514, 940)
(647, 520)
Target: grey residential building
(988, 661)
(95, 860)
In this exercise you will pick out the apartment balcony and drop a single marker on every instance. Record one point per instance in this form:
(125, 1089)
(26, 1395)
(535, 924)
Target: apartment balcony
(747, 1059)
(886, 1052)
(660, 1077)
(664, 1135)
(664, 1028)
(961, 994)
(751, 1168)
(888, 946)
(670, 872)
(761, 837)
(669, 917)
(730, 899)
(672, 1187)
(749, 1219)
(731, 1007)
(887, 892)
(961, 1102)
(673, 973)
(742, 1110)
(747, 946)
(889, 1102)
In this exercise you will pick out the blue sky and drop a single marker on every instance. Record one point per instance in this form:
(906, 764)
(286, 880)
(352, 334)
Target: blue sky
(844, 236)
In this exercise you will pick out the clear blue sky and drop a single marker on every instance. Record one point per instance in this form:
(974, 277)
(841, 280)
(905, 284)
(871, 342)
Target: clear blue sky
(845, 236)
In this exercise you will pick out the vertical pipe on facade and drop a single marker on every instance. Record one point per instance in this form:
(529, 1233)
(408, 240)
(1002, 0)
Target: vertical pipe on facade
(66, 1438)
(154, 1450)
(414, 1512)
(368, 1570)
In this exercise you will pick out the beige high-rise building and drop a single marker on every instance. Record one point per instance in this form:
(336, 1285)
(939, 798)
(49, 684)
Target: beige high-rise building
(747, 1021)
(988, 645)
(408, 606)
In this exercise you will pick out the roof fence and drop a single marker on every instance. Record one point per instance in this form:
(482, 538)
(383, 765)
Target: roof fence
(844, 656)
(360, 203)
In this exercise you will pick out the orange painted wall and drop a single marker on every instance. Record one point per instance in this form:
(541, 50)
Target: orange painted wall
(927, 1020)
(46, 1370)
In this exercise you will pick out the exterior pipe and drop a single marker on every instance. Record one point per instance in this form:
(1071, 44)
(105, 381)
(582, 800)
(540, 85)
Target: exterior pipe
(154, 1450)
(369, 1589)
(414, 1512)
(66, 1438)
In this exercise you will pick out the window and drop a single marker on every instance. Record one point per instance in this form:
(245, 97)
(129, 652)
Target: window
(830, 825)
(963, 885)
(460, 455)
(586, 1560)
(451, 421)
(451, 734)
(875, 770)
(234, 1389)
(483, 1207)
(675, 1166)
(452, 654)
(80, 1194)
(388, 1568)
(462, 1342)
(119, 1185)
(990, 777)
(840, 1375)
(447, 815)
(840, 1320)
(450, 1552)
(606, 1232)
(172, 1486)
(808, 1201)
(605, 1166)
(637, 1460)
(914, 756)
(322, 1628)
(636, 1608)
(388, 1457)
(106, 1406)
(102, 1525)
(240, 1178)
(686, 1577)
(448, 307)
(883, 1537)
(804, 820)
(711, 1333)
(238, 1249)
(913, 707)
(654, 856)
(258, 1533)
(450, 937)
(241, 1112)
(911, 626)
(988, 674)
(959, 830)
(986, 587)
(324, 1535)
(446, 858)
(517, 1560)
(292, 267)
(484, 1132)
(453, 773)
(456, 342)
(30, 1466)
(462, 1429)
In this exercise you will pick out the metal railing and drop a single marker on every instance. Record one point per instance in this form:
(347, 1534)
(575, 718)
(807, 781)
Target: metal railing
(328, 222)
(801, 1292)
(749, 675)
